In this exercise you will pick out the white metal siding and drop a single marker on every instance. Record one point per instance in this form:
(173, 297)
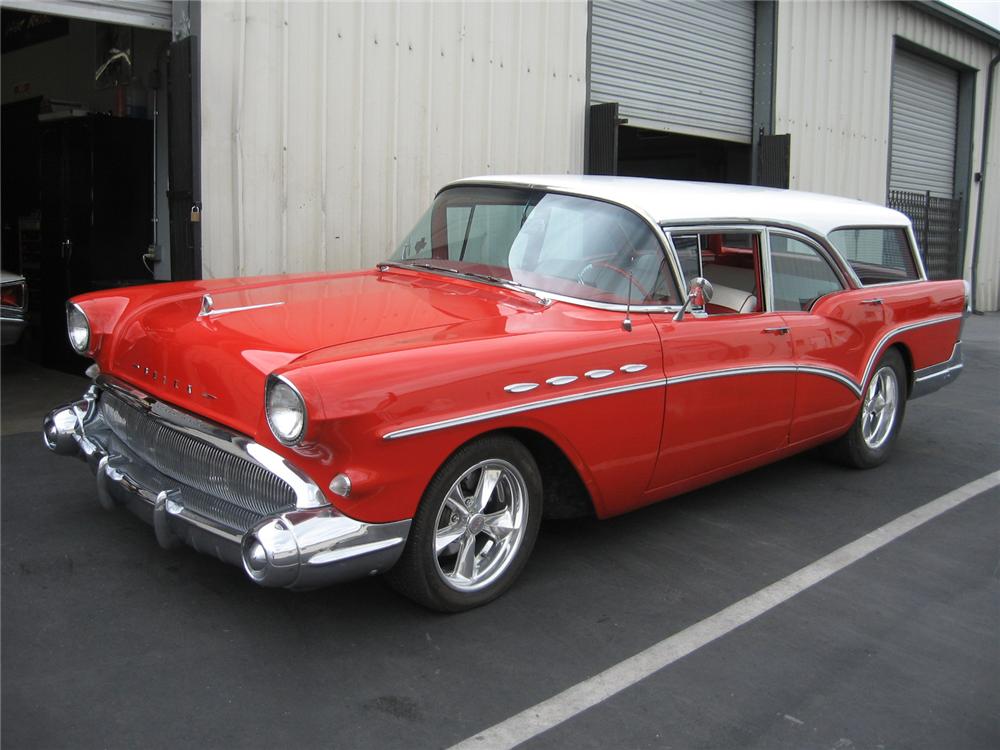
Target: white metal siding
(680, 66)
(924, 119)
(148, 14)
(832, 93)
(327, 127)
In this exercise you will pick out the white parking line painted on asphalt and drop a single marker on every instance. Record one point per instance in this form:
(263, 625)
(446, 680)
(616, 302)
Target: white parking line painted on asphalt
(587, 694)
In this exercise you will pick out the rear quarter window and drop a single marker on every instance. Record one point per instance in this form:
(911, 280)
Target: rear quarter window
(878, 255)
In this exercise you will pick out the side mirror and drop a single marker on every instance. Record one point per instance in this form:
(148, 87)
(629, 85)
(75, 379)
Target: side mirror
(699, 293)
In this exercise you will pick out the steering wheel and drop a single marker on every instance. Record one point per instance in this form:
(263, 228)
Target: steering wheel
(580, 277)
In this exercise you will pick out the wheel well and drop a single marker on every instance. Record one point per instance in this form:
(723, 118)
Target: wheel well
(904, 352)
(564, 493)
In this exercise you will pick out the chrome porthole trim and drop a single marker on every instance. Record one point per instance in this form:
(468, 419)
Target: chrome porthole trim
(520, 387)
(598, 374)
(480, 525)
(632, 368)
(562, 380)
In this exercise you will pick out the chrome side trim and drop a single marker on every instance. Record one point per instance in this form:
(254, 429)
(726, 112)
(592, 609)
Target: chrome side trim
(212, 312)
(598, 374)
(632, 368)
(729, 372)
(895, 332)
(509, 410)
(856, 388)
(833, 375)
(929, 379)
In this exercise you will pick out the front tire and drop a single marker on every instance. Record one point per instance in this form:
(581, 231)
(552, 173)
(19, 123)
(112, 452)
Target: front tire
(474, 529)
(870, 439)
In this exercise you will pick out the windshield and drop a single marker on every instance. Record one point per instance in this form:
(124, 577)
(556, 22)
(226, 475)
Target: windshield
(561, 244)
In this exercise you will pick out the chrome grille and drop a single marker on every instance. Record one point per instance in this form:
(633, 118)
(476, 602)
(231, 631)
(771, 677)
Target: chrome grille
(219, 484)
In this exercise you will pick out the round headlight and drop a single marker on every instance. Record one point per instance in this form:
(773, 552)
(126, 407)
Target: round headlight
(285, 410)
(78, 328)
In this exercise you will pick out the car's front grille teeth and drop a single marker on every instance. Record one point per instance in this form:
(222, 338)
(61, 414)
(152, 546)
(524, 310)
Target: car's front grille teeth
(225, 487)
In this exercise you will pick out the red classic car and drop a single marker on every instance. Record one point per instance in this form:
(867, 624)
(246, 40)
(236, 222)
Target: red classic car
(536, 347)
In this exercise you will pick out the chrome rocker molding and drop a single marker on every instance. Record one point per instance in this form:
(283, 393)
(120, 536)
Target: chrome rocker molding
(935, 377)
(304, 547)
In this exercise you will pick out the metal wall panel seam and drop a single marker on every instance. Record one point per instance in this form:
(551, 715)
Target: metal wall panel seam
(237, 249)
(284, 136)
(324, 132)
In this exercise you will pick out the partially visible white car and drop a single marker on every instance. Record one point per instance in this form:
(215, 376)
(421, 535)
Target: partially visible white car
(14, 299)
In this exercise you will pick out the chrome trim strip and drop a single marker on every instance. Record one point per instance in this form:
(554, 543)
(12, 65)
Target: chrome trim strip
(729, 372)
(598, 374)
(856, 388)
(210, 312)
(895, 332)
(833, 375)
(509, 410)
(632, 368)
(939, 373)
(929, 379)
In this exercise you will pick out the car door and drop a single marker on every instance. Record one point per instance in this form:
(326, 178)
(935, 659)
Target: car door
(730, 367)
(831, 329)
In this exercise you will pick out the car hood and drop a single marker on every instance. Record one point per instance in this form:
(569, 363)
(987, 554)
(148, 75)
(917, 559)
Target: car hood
(216, 364)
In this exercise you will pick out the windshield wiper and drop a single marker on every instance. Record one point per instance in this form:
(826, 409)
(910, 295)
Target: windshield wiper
(472, 275)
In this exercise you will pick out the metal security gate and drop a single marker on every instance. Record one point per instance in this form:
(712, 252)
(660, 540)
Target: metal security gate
(684, 66)
(937, 224)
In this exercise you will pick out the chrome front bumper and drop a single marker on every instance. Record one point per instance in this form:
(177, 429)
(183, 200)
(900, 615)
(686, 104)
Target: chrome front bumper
(303, 547)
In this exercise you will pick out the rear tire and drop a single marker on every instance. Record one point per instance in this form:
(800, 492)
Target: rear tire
(474, 529)
(870, 439)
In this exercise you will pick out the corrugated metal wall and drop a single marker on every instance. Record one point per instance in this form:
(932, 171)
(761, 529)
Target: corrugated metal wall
(683, 66)
(832, 92)
(924, 122)
(327, 127)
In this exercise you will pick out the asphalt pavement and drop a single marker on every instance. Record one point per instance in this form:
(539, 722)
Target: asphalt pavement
(109, 641)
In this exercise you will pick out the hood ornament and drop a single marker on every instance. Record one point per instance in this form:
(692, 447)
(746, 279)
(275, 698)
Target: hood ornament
(208, 307)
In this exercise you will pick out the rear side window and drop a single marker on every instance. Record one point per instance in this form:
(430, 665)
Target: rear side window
(799, 273)
(877, 255)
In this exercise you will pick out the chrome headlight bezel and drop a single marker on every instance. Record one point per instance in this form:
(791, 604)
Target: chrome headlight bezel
(281, 394)
(77, 321)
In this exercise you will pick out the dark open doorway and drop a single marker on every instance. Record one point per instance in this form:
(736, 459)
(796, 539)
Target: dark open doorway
(652, 153)
(84, 166)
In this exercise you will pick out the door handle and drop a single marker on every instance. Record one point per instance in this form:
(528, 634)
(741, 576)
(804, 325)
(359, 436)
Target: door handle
(872, 301)
(778, 331)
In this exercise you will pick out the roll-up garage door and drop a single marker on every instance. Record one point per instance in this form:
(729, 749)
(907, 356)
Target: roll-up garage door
(684, 66)
(924, 120)
(147, 14)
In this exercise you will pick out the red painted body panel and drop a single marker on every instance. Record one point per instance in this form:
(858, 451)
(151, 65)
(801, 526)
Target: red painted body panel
(378, 352)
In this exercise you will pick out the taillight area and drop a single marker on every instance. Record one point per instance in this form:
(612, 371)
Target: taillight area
(12, 295)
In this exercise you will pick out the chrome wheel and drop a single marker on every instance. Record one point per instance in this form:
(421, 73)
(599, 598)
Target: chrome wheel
(480, 525)
(879, 409)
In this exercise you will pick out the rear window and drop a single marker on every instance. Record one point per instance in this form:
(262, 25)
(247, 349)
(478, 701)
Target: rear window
(878, 255)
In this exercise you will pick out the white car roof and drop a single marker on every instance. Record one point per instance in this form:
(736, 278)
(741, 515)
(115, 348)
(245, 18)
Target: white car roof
(680, 202)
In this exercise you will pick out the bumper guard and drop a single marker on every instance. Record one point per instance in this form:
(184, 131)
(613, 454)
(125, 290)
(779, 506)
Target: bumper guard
(302, 548)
